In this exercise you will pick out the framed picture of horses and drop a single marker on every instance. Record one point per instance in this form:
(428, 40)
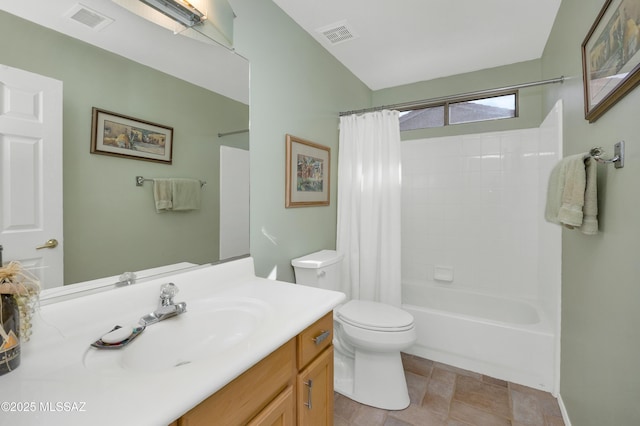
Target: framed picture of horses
(122, 136)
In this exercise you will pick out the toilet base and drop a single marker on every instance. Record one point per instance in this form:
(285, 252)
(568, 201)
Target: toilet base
(375, 379)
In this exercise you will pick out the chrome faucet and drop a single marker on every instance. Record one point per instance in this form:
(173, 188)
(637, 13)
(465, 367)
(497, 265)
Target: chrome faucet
(167, 307)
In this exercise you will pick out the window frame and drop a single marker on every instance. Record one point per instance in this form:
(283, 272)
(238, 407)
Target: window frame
(446, 104)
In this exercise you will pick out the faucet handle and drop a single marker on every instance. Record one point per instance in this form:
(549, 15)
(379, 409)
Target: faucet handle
(167, 291)
(127, 278)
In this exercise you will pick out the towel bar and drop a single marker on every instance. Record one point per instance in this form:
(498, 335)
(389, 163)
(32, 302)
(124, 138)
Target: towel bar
(140, 180)
(618, 155)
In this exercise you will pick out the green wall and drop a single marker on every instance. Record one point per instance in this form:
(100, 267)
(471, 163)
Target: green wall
(530, 99)
(600, 383)
(110, 225)
(296, 88)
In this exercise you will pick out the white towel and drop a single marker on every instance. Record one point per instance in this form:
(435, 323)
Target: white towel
(162, 194)
(185, 194)
(590, 217)
(572, 198)
(572, 201)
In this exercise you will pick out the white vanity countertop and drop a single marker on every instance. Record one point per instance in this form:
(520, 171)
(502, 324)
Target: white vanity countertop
(53, 386)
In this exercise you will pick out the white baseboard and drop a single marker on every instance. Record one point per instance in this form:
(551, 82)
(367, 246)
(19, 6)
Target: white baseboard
(563, 410)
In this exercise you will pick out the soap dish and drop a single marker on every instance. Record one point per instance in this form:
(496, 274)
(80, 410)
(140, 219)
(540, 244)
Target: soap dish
(135, 333)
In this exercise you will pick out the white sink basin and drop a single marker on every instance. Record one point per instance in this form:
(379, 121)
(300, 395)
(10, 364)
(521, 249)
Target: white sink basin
(209, 327)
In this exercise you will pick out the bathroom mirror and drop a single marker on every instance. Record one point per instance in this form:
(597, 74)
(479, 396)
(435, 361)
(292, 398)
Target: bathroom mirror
(200, 90)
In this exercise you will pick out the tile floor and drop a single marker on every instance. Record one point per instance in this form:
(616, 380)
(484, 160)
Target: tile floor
(442, 395)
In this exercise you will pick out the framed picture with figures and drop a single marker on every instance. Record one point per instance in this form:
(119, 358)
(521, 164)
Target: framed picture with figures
(122, 136)
(307, 173)
(611, 56)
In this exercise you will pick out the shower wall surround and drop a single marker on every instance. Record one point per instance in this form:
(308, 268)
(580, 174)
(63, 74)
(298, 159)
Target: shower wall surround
(475, 203)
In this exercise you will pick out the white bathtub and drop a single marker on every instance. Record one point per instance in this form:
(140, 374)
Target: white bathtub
(503, 338)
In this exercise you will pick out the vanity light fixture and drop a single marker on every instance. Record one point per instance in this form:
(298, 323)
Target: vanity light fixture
(180, 11)
(208, 21)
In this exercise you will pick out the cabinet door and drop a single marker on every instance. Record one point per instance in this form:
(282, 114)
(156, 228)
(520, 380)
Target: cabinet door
(315, 391)
(248, 394)
(278, 413)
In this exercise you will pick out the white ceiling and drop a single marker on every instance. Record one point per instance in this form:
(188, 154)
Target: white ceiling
(209, 66)
(405, 41)
(396, 42)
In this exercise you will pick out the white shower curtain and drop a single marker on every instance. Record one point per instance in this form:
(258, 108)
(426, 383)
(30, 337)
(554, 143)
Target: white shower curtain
(369, 178)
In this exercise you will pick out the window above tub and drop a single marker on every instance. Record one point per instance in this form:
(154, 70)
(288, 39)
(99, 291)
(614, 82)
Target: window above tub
(495, 106)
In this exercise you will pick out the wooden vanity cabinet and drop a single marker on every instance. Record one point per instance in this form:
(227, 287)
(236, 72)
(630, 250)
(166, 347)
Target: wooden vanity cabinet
(315, 373)
(292, 385)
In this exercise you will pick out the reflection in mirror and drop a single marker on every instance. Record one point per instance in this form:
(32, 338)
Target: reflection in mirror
(58, 294)
(204, 20)
(110, 224)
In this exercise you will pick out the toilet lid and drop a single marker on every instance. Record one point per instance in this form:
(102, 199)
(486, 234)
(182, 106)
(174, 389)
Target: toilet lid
(375, 316)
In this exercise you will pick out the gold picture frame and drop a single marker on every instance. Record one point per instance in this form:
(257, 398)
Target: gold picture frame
(127, 137)
(308, 171)
(611, 56)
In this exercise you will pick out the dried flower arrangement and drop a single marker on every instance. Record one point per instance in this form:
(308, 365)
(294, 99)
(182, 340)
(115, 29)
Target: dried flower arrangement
(25, 289)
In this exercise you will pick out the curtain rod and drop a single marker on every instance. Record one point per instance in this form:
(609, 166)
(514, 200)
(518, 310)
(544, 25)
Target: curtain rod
(423, 102)
(233, 133)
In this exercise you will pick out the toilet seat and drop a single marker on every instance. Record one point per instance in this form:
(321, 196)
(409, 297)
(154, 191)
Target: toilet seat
(375, 316)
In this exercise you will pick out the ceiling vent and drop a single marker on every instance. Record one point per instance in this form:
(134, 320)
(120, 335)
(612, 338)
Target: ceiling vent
(88, 17)
(338, 33)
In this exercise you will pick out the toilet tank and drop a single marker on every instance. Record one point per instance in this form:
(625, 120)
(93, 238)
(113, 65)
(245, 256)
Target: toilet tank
(320, 269)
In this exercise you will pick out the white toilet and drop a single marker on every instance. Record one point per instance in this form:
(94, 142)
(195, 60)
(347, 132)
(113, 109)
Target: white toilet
(368, 338)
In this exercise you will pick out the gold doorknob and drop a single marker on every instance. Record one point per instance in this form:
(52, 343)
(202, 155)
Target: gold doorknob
(52, 243)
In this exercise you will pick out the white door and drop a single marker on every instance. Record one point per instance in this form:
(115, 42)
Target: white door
(31, 173)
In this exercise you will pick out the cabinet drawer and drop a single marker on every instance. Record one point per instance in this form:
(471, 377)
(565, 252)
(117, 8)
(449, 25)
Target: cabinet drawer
(314, 339)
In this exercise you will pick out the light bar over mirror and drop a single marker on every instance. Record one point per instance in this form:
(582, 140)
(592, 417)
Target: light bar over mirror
(209, 21)
(178, 10)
